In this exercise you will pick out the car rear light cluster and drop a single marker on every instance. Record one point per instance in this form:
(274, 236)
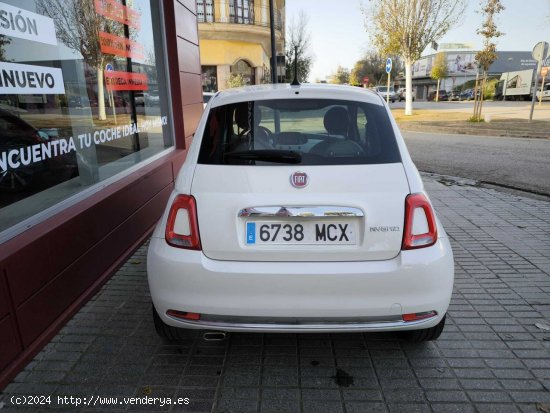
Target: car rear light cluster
(420, 226)
(418, 316)
(183, 315)
(182, 229)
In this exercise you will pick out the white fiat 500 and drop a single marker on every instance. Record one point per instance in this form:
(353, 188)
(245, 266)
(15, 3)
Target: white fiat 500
(298, 209)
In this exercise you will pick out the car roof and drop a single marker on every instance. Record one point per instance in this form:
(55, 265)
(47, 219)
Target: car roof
(303, 91)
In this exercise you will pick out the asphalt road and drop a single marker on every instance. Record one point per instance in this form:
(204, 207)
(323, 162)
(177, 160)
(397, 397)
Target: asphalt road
(516, 162)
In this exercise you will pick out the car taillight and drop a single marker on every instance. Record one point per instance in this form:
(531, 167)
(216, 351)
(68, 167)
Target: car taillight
(420, 227)
(182, 229)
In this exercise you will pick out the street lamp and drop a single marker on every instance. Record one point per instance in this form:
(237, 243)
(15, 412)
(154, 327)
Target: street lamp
(273, 45)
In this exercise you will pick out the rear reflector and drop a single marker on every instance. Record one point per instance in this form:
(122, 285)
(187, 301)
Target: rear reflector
(419, 316)
(183, 315)
(420, 226)
(182, 229)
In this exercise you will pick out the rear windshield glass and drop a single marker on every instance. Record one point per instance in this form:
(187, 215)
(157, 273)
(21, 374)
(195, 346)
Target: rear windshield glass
(299, 131)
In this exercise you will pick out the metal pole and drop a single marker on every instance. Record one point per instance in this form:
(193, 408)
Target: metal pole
(273, 45)
(534, 89)
(388, 89)
(136, 144)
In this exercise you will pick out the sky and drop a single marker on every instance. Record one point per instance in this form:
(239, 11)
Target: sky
(338, 33)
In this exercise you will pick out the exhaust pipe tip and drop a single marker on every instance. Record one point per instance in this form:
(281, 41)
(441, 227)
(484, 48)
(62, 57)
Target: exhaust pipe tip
(214, 336)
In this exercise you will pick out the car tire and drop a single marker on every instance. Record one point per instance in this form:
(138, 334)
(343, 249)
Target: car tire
(427, 334)
(168, 332)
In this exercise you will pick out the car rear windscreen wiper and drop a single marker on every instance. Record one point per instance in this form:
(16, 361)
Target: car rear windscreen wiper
(266, 155)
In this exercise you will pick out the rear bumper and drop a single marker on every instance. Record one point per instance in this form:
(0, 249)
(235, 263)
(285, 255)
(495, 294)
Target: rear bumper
(301, 296)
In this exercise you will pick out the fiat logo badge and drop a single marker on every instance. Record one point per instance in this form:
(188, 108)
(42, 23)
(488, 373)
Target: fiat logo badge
(299, 179)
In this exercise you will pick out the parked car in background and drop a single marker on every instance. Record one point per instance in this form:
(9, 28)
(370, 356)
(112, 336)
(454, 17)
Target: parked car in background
(139, 98)
(206, 96)
(18, 139)
(468, 94)
(443, 96)
(545, 92)
(298, 209)
(152, 98)
(454, 95)
(383, 91)
(400, 94)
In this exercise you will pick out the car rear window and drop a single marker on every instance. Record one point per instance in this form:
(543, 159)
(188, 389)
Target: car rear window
(299, 131)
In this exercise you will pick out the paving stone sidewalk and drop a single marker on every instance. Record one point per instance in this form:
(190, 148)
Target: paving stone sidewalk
(491, 356)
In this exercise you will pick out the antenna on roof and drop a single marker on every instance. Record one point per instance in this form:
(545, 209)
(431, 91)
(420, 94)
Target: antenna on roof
(295, 82)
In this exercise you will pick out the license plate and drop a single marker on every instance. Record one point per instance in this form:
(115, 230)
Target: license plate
(303, 233)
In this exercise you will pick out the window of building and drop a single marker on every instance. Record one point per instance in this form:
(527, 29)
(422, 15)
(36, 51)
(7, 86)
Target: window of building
(245, 70)
(209, 79)
(83, 98)
(241, 11)
(205, 11)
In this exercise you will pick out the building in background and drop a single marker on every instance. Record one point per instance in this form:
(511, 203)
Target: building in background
(463, 68)
(235, 39)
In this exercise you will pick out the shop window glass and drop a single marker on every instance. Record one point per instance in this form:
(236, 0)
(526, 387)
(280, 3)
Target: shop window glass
(83, 98)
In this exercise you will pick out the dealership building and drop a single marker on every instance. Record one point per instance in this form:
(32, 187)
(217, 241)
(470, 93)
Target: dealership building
(462, 67)
(99, 100)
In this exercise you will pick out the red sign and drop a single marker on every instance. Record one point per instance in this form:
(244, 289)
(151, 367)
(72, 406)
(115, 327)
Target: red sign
(120, 46)
(113, 10)
(125, 81)
(366, 80)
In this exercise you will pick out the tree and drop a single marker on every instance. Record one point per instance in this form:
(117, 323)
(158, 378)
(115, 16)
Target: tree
(236, 80)
(298, 39)
(340, 77)
(373, 66)
(439, 70)
(4, 41)
(407, 27)
(488, 54)
(78, 26)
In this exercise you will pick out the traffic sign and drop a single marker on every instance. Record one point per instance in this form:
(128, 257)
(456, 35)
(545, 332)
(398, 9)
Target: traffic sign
(540, 51)
(109, 67)
(366, 80)
(388, 65)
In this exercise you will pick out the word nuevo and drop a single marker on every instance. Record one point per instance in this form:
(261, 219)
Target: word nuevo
(16, 78)
(27, 155)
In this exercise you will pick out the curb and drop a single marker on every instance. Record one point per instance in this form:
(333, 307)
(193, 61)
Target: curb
(430, 128)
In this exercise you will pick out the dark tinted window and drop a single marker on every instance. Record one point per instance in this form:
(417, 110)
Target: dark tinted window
(313, 131)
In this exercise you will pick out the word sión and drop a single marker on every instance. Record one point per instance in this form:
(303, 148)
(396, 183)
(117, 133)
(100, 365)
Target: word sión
(18, 22)
(24, 24)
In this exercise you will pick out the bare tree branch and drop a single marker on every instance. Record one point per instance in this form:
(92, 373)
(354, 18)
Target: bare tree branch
(298, 36)
(78, 26)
